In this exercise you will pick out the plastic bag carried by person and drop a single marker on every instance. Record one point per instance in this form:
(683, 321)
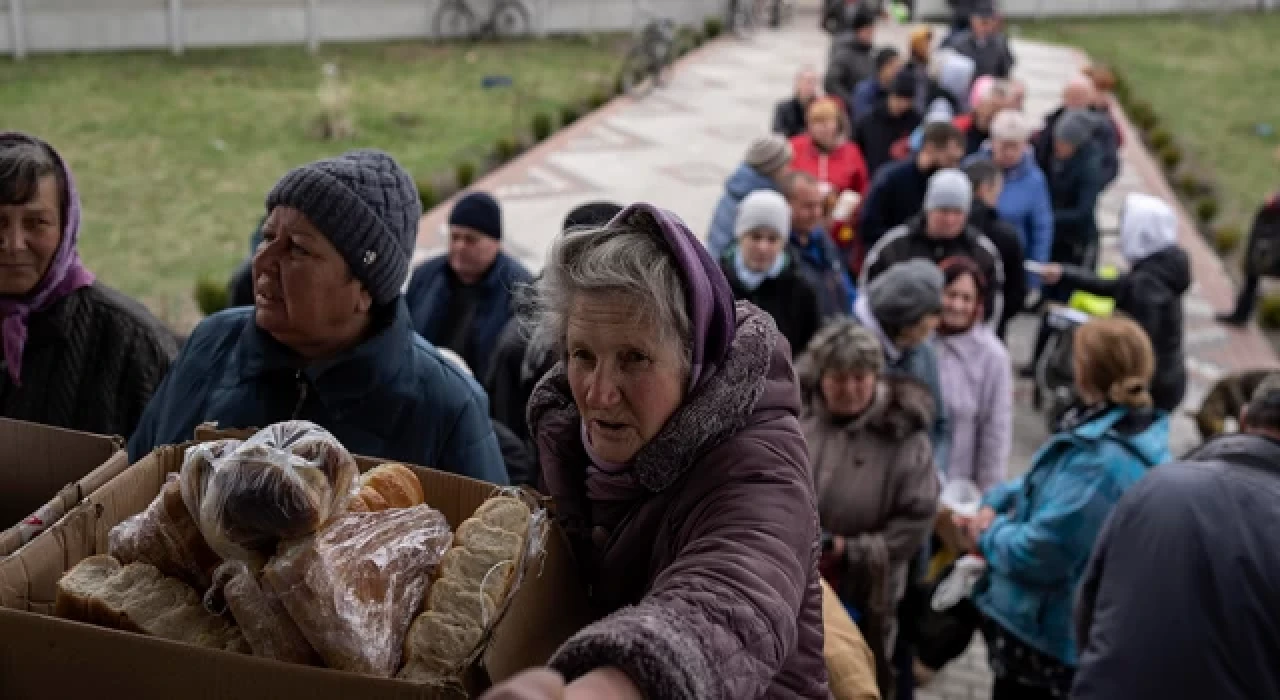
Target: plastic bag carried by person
(354, 587)
(283, 483)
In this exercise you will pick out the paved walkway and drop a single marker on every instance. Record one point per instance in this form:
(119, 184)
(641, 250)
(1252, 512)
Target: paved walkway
(676, 147)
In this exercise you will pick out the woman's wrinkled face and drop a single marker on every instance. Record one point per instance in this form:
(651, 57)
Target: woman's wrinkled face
(918, 333)
(1007, 154)
(761, 248)
(304, 292)
(960, 303)
(29, 238)
(825, 130)
(848, 393)
(625, 380)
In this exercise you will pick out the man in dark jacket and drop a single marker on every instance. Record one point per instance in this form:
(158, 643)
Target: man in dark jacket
(462, 300)
(990, 97)
(1081, 95)
(816, 255)
(789, 115)
(987, 182)
(1179, 598)
(1075, 182)
(898, 189)
(883, 135)
(984, 43)
(874, 90)
(850, 60)
(941, 232)
(329, 338)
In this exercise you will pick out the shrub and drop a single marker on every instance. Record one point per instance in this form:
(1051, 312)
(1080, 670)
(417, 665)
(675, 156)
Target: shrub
(598, 99)
(1185, 184)
(211, 295)
(1226, 239)
(619, 86)
(1170, 156)
(466, 174)
(427, 194)
(568, 115)
(541, 126)
(1143, 115)
(712, 27)
(1160, 138)
(504, 149)
(1207, 208)
(1269, 311)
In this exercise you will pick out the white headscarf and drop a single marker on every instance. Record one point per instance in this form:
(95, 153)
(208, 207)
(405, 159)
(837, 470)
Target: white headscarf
(1147, 226)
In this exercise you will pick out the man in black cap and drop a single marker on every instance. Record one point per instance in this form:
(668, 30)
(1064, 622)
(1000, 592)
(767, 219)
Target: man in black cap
(462, 300)
(883, 134)
(984, 43)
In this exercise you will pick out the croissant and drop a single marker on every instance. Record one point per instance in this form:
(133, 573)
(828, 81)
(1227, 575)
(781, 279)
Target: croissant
(387, 486)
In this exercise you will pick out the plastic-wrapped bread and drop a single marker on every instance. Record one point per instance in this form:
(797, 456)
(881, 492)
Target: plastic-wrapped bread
(138, 598)
(283, 483)
(166, 537)
(387, 486)
(354, 587)
(263, 621)
(475, 579)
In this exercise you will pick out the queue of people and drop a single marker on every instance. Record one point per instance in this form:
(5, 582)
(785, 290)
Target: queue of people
(747, 451)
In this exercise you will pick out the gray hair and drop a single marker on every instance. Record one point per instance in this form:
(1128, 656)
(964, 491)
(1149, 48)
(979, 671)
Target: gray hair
(628, 258)
(840, 346)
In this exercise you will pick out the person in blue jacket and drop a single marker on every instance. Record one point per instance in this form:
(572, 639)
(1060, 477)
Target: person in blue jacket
(875, 89)
(1036, 532)
(768, 160)
(328, 339)
(1025, 202)
(462, 299)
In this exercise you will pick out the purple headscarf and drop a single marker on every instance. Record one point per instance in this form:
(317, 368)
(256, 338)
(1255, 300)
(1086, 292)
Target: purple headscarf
(65, 275)
(712, 317)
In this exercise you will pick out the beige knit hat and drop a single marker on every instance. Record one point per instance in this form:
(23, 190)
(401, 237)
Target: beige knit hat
(769, 154)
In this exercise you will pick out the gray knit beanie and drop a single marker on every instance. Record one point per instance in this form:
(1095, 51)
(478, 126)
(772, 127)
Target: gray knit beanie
(948, 189)
(1074, 127)
(769, 154)
(906, 293)
(763, 209)
(367, 206)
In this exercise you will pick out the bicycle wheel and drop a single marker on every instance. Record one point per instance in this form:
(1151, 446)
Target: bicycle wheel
(510, 19)
(454, 20)
(637, 72)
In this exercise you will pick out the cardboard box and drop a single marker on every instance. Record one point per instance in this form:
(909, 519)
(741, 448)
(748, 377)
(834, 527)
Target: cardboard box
(45, 472)
(548, 607)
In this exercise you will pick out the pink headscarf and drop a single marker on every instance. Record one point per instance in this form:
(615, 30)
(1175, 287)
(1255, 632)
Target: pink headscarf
(65, 275)
(980, 89)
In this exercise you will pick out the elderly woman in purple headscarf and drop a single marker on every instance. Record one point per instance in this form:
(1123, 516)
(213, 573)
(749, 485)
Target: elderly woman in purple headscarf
(668, 436)
(76, 354)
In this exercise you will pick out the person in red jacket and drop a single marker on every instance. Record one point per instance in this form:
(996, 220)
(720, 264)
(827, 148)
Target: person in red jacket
(826, 152)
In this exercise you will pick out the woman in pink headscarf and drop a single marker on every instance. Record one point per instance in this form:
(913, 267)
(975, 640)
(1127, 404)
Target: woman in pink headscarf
(76, 354)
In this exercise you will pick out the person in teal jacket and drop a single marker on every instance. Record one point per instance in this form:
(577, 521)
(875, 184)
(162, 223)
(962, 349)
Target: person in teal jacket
(1036, 532)
(329, 338)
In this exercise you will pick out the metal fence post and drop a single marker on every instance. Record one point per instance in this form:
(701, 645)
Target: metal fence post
(313, 27)
(17, 29)
(177, 29)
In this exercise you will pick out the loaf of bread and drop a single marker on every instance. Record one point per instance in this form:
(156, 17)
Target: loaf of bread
(475, 579)
(166, 537)
(354, 587)
(387, 486)
(282, 483)
(263, 621)
(138, 598)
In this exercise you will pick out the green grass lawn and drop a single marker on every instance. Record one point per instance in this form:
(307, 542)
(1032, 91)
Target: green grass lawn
(1211, 80)
(174, 155)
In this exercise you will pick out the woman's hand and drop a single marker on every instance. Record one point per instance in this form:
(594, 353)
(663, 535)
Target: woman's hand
(538, 684)
(1051, 273)
(981, 522)
(603, 684)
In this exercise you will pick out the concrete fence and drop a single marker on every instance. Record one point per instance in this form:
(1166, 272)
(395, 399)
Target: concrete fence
(1030, 9)
(32, 26)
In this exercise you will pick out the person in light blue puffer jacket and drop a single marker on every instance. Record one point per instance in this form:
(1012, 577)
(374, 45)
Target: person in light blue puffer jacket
(768, 159)
(1037, 532)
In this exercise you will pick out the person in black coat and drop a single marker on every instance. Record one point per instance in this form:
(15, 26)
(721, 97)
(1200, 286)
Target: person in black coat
(1075, 183)
(760, 271)
(885, 133)
(1080, 94)
(74, 353)
(1179, 598)
(1150, 293)
(789, 115)
(987, 182)
(898, 189)
(851, 58)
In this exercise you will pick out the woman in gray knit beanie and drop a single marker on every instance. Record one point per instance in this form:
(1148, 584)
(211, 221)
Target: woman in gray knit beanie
(329, 337)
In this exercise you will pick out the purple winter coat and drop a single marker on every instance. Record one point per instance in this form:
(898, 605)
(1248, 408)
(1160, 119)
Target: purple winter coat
(709, 588)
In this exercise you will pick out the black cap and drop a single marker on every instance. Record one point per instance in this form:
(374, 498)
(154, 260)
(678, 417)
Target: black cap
(984, 8)
(904, 85)
(860, 17)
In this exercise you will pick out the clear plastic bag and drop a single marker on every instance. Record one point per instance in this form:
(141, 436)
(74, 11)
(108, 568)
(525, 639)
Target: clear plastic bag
(354, 587)
(283, 483)
(263, 620)
(166, 536)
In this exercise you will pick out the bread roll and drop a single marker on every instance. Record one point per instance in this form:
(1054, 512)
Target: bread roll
(387, 486)
(166, 537)
(440, 640)
(138, 598)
